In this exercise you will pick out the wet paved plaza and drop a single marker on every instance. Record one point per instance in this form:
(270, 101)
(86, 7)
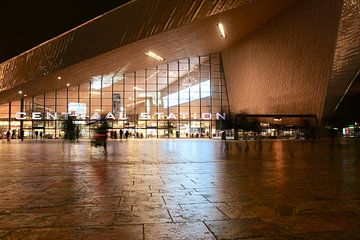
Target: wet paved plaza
(180, 189)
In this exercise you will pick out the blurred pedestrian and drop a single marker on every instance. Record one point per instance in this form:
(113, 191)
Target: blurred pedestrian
(77, 132)
(121, 134)
(8, 136)
(22, 134)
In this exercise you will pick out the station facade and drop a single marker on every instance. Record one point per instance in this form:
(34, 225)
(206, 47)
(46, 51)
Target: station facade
(183, 69)
(182, 99)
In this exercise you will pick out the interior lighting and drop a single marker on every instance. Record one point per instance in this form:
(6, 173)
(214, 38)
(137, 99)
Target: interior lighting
(152, 75)
(182, 96)
(68, 84)
(20, 92)
(25, 95)
(221, 29)
(137, 88)
(155, 56)
(59, 77)
(131, 104)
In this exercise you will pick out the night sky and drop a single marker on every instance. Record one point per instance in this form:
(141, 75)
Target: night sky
(27, 23)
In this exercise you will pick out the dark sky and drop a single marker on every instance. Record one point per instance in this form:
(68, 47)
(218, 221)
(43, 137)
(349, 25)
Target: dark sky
(26, 23)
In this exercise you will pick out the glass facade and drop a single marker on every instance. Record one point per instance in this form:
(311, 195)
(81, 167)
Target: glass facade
(181, 99)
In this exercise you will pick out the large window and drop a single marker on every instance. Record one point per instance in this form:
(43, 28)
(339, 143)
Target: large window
(177, 99)
(195, 92)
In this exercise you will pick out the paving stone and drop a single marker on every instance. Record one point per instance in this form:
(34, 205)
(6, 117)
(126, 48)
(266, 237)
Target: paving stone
(332, 235)
(28, 220)
(3, 233)
(169, 188)
(315, 222)
(189, 230)
(197, 212)
(117, 232)
(188, 199)
(243, 228)
(247, 209)
(149, 216)
(85, 219)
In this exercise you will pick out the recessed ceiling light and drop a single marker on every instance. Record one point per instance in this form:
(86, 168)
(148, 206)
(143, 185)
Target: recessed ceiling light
(20, 92)
(59, 77)
(155, 56)
(221, 29)
(68, 84)
(25, 95)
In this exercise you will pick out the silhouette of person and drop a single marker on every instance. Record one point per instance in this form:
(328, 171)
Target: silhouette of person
(22, 135)
(77, 132)
(8, 136)
(121, 134)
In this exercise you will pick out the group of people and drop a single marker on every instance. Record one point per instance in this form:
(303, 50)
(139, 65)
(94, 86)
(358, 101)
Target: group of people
(124, 135)
(13, 135)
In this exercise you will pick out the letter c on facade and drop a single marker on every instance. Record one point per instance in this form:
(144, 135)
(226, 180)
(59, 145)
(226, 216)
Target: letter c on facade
(20, 116)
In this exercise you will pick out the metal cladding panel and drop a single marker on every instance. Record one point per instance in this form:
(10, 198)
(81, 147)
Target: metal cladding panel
(347, 57)
(132, 22)
(284, 67)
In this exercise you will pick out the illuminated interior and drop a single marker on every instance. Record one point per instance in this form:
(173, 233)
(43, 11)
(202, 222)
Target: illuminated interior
(175, 100)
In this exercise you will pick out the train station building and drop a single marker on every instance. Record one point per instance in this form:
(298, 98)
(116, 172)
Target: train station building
(182, 69)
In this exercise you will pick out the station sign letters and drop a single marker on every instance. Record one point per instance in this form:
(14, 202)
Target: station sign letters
(119, 116)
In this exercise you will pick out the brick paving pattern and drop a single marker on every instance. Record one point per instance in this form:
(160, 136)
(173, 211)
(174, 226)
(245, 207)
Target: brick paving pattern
(180, 189)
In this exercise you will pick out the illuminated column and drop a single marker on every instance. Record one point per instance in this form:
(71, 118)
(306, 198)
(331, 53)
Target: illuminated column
(22, 121)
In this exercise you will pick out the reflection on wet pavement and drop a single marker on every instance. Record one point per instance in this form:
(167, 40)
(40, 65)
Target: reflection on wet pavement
(180, 189)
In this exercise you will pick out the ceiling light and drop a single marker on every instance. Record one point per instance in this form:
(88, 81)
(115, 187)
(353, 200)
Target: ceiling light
(20, 92)
(59, 77)
(153, 55)
(137, 88)
(221, 29)
(25, 95)
(68, 84)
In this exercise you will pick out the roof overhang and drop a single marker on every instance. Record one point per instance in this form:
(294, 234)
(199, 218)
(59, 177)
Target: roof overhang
(197, 38)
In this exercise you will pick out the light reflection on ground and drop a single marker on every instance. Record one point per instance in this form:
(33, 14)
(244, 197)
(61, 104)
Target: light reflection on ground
(190, 189)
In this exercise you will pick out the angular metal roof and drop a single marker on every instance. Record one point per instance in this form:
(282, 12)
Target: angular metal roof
(116, 41)
(346, 63)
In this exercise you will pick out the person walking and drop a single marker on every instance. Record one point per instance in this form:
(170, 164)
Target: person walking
(115, 134)
(36, 134)
(121, 134)
(22, 135)
(126, 135)
(8, 136)
(77, 132)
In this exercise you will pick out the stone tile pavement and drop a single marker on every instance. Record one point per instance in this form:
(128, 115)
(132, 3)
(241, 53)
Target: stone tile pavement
(180, 189)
